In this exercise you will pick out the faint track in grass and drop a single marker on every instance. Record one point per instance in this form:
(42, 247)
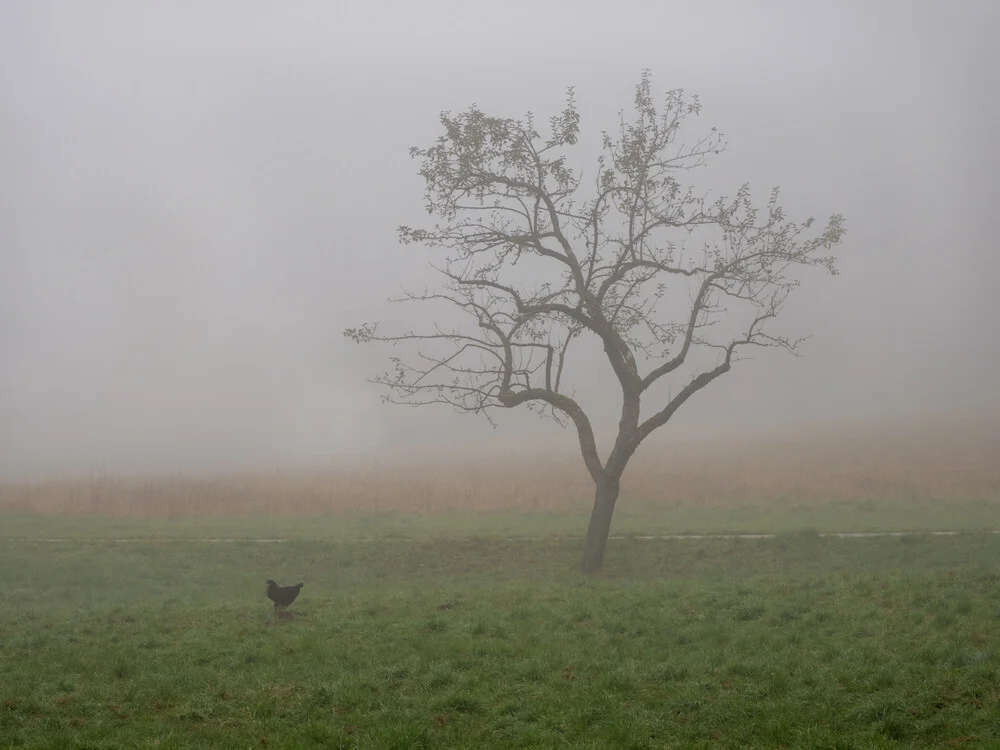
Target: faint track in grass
(613, 537)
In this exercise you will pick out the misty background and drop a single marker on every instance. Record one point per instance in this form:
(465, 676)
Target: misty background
(196, 199)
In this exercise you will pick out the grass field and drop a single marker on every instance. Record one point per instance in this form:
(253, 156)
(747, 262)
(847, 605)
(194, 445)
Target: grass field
(441, 608)
(774, 517)
(796, 641)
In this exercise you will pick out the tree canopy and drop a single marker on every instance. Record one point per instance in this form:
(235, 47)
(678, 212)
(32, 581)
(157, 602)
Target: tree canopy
(535, 256)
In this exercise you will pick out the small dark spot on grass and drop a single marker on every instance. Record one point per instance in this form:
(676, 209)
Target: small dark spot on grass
(749, 612)
(322, 696)
(461, 704)
(122, 669)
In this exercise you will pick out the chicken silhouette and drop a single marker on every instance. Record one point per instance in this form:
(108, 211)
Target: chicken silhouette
(282, 596)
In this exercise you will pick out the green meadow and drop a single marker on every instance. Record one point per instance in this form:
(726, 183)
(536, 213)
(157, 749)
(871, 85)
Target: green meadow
(460, 641)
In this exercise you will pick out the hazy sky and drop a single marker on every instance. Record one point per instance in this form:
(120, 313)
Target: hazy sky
(197, 197)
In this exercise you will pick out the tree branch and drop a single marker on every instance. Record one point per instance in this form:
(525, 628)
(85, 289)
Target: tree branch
(604, 262)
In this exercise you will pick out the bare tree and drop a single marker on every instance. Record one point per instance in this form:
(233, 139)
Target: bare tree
(600, 257)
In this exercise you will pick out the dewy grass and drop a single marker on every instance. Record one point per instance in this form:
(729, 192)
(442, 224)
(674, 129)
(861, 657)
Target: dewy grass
(796, 641)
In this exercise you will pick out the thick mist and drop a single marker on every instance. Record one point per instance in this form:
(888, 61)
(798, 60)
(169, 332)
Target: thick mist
(195, 200)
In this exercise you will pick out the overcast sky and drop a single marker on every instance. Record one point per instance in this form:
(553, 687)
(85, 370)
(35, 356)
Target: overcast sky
(197, 197)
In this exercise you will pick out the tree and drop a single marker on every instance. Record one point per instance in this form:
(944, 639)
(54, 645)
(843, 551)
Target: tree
(600, 258)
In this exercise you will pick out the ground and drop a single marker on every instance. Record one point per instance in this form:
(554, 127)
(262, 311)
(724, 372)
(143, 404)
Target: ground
(792, 641)
(441, 606)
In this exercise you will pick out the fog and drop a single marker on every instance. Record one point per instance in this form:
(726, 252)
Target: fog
(196, 199)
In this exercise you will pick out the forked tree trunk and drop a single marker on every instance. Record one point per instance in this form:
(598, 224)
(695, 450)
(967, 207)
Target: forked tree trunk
(600, 525)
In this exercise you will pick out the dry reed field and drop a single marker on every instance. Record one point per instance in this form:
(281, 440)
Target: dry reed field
(922, 460)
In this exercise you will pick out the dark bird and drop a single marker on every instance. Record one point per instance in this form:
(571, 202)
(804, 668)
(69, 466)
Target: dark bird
(282, 596)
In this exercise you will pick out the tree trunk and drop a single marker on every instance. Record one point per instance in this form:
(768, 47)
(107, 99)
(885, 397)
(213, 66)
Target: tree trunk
(600, 525)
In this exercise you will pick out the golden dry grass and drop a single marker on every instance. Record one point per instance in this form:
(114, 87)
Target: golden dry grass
(954, 458)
